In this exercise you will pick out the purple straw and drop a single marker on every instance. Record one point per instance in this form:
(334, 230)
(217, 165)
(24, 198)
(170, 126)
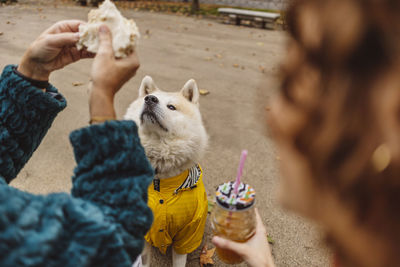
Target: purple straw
(240, 171)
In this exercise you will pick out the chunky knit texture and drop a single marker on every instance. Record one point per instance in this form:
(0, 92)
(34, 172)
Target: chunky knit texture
(26, 115)
(105, 219)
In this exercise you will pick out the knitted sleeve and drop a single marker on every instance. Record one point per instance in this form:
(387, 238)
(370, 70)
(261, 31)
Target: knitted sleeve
(102, 224)
(53, 230)
(104, 221)
(113, 173)
(26, 113)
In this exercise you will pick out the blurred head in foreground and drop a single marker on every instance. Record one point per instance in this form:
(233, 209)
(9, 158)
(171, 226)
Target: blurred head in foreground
(337, 125)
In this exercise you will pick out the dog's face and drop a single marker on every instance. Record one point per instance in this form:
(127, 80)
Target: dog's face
(170, 124)
(166, 113)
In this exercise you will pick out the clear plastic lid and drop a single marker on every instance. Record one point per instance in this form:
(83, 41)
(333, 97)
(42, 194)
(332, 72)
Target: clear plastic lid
(226, 197)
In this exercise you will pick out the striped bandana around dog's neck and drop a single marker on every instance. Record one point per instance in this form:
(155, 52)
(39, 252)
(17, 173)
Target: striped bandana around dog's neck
(190, 181)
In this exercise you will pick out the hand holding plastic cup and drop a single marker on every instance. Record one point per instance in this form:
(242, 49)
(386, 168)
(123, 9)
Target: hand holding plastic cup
(234, 217)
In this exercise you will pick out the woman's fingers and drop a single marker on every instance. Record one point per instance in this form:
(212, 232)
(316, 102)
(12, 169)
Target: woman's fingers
(228, 244)
(105, 42)
(65, 26)
(260, 227)
(60, 40)
(86, 54)
(130, 63)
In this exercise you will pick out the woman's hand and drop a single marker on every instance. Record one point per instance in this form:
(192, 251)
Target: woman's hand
(108, 73)
(52, 50)
(108, 76)
(255, 251)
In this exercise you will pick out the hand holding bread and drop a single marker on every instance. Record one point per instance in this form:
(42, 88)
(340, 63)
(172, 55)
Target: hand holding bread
(107, 34)
(52, 50)
(108, 75)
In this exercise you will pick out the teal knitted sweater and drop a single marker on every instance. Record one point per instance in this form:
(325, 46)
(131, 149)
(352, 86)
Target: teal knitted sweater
(103, 221)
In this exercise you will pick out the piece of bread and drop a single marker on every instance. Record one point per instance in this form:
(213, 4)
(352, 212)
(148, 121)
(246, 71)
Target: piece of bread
(125, 32)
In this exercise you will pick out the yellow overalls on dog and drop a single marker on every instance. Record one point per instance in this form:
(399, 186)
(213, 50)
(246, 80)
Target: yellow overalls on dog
(180, 206)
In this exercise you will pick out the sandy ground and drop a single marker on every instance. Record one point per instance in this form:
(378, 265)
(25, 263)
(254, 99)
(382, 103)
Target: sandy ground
(175, 49)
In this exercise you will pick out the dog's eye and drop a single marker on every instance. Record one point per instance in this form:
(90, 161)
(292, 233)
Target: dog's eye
(171, 107)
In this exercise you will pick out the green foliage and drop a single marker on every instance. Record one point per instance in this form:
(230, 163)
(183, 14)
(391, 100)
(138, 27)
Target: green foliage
(7, 1)
(210, 205)
(270, 240)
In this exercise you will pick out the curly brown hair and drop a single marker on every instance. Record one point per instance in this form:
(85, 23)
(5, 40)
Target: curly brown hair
(342, 75)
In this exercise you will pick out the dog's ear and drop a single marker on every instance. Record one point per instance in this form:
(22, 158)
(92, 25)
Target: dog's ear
(191, 91)
(147, 86)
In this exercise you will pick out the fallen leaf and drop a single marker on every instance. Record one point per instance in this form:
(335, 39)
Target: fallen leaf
(77, 83)
(221, 65)
(267, 108)
(218, 56)
(261, 68)
(260, 43)
(254, 54)
(1, 33)
(8, 22)
(209, 24)
(242, 67)
(40, 9)
(270, 240)
(208, 58)
(146, 37)
(210, 202)
(235, 65)
(147, 32)
(204, 92)
(206, 256)
(207, 49)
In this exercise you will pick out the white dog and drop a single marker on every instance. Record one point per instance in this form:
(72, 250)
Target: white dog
(174, 138)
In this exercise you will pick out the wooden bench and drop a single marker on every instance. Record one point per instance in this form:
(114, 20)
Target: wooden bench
(237, 15)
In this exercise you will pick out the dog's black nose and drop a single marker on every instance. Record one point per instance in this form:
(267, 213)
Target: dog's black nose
(151, 100)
